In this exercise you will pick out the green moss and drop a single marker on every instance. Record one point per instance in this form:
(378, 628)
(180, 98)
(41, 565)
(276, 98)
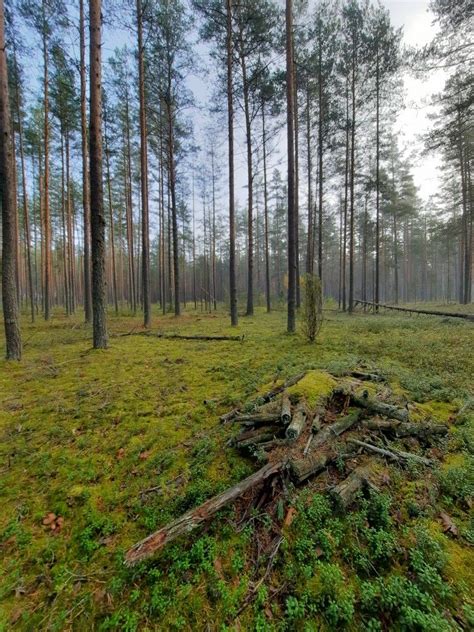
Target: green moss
(441, 412)
(315, 388)
(74, 425)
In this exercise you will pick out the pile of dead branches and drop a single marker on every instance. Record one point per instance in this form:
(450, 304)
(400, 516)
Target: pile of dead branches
(296, 441)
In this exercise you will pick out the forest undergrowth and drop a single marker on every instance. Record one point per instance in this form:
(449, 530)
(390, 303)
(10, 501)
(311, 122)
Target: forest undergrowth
(100, 448)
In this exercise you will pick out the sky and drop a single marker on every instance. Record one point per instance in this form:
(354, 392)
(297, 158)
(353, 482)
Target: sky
(418, 29)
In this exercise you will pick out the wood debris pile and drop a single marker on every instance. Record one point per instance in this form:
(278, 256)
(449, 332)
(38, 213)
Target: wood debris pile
(352, 421)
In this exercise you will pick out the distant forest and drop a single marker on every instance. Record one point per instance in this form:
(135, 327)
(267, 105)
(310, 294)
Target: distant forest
(168, 237)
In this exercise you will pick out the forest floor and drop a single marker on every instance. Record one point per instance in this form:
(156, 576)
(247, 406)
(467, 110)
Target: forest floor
(84, 434)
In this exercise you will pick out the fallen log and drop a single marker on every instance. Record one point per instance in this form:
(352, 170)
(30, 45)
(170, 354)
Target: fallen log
(335, 429)
(254, 433)
(258, 439)
(264, 399)
(428, 312)
(189, 336)
(274, 443)
(380, 408)
(394, 454)
(303, 468)
(406, 429)
(257, 420)
(296, 427)
(344, 493)
(285, 414)
(193, 518)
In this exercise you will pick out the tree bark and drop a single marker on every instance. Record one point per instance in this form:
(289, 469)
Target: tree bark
(291, 321)
(46, 207)
(9, 265)
(248, 136)
(85, 171)
(230, 130)
(26, 217)
(146, 282)
(265, 213)
(111, 216)
(99, 308)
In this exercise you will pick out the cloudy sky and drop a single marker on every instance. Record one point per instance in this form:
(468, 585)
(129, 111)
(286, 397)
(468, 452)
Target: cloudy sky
(417, 22)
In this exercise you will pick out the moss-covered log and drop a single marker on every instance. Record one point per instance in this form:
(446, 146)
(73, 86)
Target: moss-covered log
(335, 429)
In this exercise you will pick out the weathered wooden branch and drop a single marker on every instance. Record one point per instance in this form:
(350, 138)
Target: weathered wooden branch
(335, 429)
(366, 377)
(344, 493)
(409, 429)
(296, 427)
(308, 444)
(263, 399)
(193, 518)
(394, 454)
(285, 414)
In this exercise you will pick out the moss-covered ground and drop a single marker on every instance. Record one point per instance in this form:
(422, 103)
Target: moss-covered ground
(85, 434)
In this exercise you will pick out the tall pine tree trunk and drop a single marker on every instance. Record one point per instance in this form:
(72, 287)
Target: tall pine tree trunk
(111, 217)
(26, 217)
(85, 171)
(46, 207)
(352, 185)
(291, 324)
(99, 312)
(248, 138)
(309, 243)
(174, 209)
(8, 193)
(377, 182)
(265, 212)
(230, 132)
(146, 284)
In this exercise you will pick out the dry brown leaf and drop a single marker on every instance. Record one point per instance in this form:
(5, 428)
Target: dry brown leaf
(218, 567)
(290, 516)
(49, 518)
(144, 455)
(120, 454)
